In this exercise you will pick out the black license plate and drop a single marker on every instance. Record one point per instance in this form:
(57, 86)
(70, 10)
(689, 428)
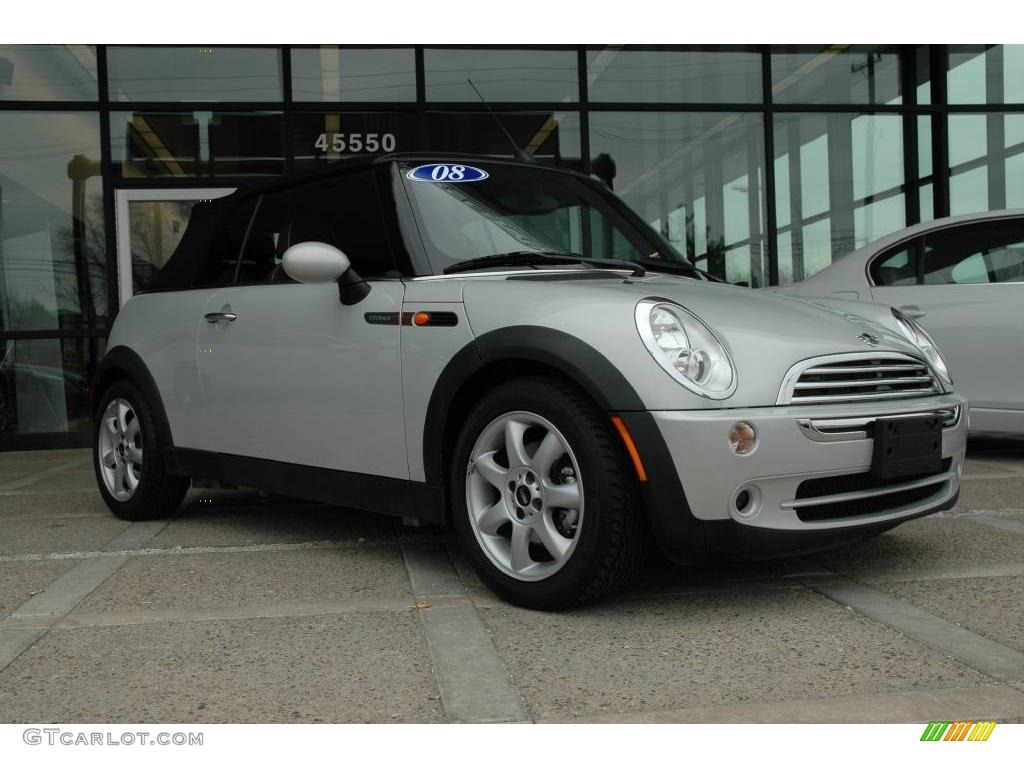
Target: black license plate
(905, 447)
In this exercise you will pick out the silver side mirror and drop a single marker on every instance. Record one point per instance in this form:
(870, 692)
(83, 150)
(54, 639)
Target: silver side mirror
(314, 262)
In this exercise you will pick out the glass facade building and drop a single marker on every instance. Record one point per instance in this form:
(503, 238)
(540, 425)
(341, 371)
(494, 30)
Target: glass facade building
(761, 163)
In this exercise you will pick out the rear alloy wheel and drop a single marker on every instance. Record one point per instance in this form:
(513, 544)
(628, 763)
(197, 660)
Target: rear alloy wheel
(128, 457)
(542, 500)
(120, 449)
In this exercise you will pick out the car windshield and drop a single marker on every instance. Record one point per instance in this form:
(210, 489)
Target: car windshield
(466, 212)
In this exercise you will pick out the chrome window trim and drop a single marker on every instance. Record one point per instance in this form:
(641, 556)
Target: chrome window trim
(922, 234)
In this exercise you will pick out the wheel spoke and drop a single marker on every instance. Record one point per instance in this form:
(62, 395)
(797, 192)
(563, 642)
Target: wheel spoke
(492, 518)
(520, 548)
(131, 479)
(550, 448)
(555, 543)
(122, 416)
(109, 460)
(514, 445)
(563, 496)
(133, 430)
(111, 425)
(491, 471)
(134, 454)
(119, 472)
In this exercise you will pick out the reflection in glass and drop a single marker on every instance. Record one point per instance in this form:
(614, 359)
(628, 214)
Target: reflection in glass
(986, 158)
(202, 144)
(321, 138)
(48, 73)
(44, 384)
(156, 227)
(53, 266)
(550, 136)
(985, 74)
(697, 177)
(621, 73)
(836, 74)
(839, 185)
(192, 73)
(330, 73)
(501, 75)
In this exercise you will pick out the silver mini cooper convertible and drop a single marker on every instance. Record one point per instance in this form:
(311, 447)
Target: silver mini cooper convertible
(507, 349)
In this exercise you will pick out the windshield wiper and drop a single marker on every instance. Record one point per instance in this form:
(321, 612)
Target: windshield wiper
(672, 267)
(532, 258)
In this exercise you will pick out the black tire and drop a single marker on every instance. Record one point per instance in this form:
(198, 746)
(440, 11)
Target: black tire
(159, 493)
(612, 543)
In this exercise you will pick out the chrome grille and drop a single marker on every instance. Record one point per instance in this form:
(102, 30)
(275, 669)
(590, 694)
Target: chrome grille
(857, 378)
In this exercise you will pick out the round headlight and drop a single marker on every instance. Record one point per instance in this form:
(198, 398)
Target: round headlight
(686, 348)
(919, 337)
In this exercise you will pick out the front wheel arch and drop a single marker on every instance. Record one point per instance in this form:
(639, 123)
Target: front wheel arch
(508, 353)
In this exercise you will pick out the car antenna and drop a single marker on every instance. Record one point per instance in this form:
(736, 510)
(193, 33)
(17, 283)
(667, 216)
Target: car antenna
(518, 152)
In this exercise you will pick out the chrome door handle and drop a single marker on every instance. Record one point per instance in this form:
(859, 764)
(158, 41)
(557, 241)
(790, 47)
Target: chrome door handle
(912, 311)
(216, 317)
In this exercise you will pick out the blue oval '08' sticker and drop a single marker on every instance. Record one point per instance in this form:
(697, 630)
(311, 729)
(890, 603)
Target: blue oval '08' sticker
(447, 172)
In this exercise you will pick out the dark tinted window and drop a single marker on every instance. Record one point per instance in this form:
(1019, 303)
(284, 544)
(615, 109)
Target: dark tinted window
(983, 253)
(343, 211)
(897, 267)
(208, 252)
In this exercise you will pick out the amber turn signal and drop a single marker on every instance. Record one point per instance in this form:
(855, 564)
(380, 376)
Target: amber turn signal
(634, 454)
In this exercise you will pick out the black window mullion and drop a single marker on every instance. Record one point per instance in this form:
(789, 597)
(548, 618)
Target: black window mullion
(911, 171)
(107, 171)
(421, 98)
(289, 107)
(939, 65)
(584, 114)
(771, 227)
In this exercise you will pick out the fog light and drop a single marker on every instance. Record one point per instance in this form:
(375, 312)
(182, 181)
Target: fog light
(746, 503)
(742, 438)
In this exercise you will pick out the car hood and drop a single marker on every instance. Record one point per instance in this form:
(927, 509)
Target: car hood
(802, 325)
(766, 333)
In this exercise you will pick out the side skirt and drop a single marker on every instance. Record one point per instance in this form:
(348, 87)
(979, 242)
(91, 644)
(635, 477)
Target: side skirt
(371, 493)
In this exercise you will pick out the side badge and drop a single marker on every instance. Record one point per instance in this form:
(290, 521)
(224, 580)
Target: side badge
(447, 173)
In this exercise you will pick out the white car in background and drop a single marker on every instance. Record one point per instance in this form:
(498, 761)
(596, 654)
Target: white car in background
(962, 280)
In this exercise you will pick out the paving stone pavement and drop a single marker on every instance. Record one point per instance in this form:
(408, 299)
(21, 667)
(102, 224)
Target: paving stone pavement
(244, 608)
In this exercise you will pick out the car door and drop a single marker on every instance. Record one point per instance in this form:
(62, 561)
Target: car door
(967, 290)
(288, 372)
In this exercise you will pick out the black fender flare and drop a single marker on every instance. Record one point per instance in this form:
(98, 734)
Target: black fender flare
(557, 349)
(668, 512)
(126, 359)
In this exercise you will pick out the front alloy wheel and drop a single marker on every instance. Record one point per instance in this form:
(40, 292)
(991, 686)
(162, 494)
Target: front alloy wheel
(543, 501)
(523, 495)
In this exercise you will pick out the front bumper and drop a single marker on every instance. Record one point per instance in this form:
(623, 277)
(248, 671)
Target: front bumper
(695, 479)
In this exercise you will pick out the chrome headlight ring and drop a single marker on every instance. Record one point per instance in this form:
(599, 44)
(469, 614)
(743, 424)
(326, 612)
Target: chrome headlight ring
(686, 348)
